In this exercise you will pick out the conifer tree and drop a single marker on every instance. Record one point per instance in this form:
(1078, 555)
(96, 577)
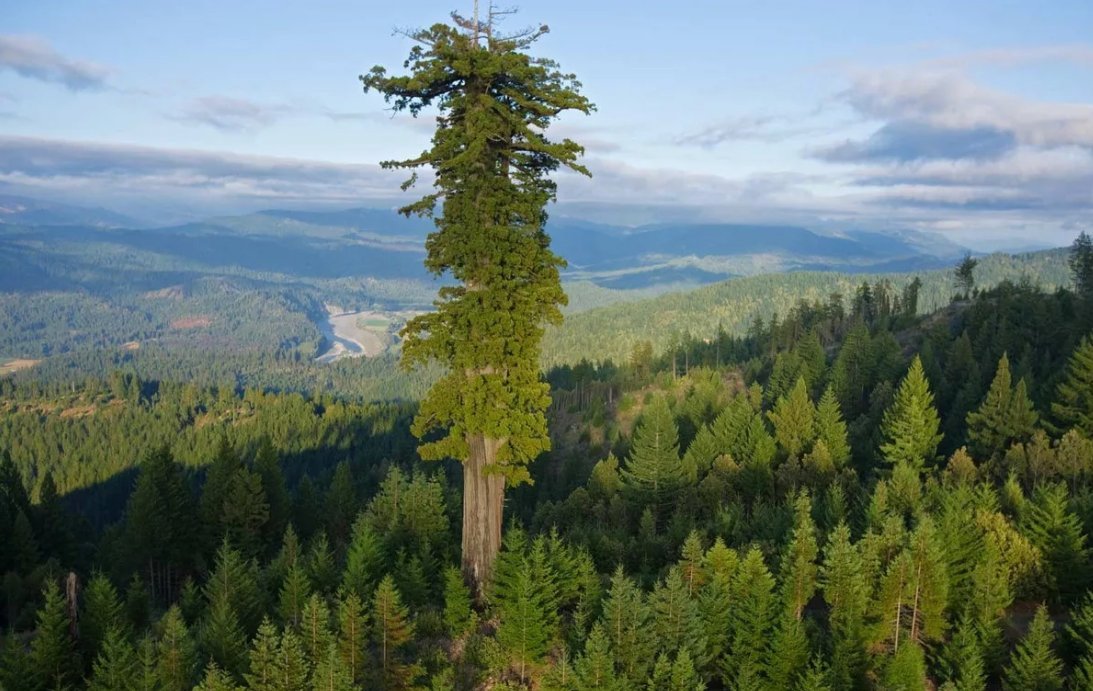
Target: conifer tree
(1078, 639)
(831, 429)
(245, 512)
(264, 651)
(314, 629)
(234, 583)
(676, 619)
(963, 659)
(292, 669)
(1004, 417)
(352, 634)
(905, 670)
(54, 663)
(750, 623)
(116, 668)
(653, 471)
(268, 467)
(216, 679)
(846, 592)
(1073, 406)
(1034, 665)
(222, 638)
(492, 162)
(320, 565)
(522, 632)
(816, 678)
(626, 625)
(174, 651)
(1057, 532)
(295, 591)
(457, 603)
(102, 610)
(910, 425)
(391, 632)
(364, 562)
(340, 506)
(331, 673)
(594, 669)
(794, 420)
(1081, 265)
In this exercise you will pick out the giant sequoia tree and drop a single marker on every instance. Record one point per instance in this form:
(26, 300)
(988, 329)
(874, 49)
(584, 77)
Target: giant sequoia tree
(491, 163)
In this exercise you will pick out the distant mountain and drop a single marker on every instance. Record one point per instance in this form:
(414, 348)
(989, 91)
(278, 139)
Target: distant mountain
(380, 243)
(23, 210)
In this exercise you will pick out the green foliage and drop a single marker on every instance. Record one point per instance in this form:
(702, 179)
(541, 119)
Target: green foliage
(1034, 665)
(1073, 405)
(794, 420)
(1005, 416)
(458, 616)
(653, 471)
(391, 632)
(911, 424)
(1051, 527)
(490, 237)
(55, 664)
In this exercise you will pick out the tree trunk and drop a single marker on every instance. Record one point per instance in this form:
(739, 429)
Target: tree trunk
(483, 504)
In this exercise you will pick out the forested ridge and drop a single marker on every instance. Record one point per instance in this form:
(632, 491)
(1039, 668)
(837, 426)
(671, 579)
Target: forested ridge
(851, 496)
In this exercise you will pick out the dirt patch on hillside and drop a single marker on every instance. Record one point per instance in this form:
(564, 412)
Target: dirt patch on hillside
(199, 321)
(17, 365)
(168, 293)
(78, 411)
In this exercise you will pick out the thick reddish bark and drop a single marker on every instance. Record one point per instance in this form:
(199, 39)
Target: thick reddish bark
(483, 505)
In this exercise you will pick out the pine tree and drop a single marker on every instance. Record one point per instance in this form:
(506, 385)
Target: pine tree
(1081, 265)
(295, 591)
(905, 670)
(268, 468)
(245, 512)
(522, 633)
(391, 632)
(314, 629)
(222, 638)
(653, 471)
(217, 489)
(794, 420)
(1073, 406)
(595, 670)
(352, 634)
(341, 504)
(365, 560)
(175, 654)
(750, 626)
(54, 662)
(627, 627)
(331, 673)
(457, 603)
(487, 328)
(816, 678)
(1004, 417)
(846, 592)
(1057, 532)
(264, 651)
(790, 647)
(293, 669)
(116, 668)
(676, 619)
(1034, 665)
(102, 610)
(831, 429)
(910, 425)
(216, 679)
(234, 582)
(963, 659)
(320, 565)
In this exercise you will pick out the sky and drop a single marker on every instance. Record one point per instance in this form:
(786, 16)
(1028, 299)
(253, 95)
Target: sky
(972, 119)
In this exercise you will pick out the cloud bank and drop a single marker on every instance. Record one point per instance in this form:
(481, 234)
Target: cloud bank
(34, 58)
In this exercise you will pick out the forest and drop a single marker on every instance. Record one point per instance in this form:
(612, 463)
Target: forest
(849, 498)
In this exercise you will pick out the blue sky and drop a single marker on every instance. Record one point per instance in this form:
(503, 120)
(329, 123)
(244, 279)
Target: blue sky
(974, 119)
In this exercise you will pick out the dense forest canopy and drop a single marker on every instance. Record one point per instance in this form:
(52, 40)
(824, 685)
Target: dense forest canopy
(847, 497)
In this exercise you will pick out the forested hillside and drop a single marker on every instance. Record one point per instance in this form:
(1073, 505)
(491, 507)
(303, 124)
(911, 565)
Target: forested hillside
(854, 496)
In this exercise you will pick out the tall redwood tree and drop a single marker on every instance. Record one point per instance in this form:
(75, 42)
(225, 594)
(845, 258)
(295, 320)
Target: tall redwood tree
(491, 163)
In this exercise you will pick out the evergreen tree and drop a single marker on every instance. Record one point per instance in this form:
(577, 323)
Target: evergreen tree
(295, 591)
(54, 663)
(794, 420)
(320, 565)
(364, 561)
(1034, 665)
(102, 610)
(595, 669)
(391, 632)
(653, 471)
(846, 592)
(268, 467)
(341, 504)
(1057, 532)
(116, 668)
(522, 632)
(1081, 265)
(627, 627)
(911, 424)
(831, 429)
(963, 659)
(1005, 416)
(332, 674)
(175, 654)
(293, 669)
(264, 652)
(314, 629)
(352, 634)
(492, 163)
(676, 620)
(749, 625)
(457, 603)
(1073, 406)
(216, 679)
(245, 512)
(222, 638)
